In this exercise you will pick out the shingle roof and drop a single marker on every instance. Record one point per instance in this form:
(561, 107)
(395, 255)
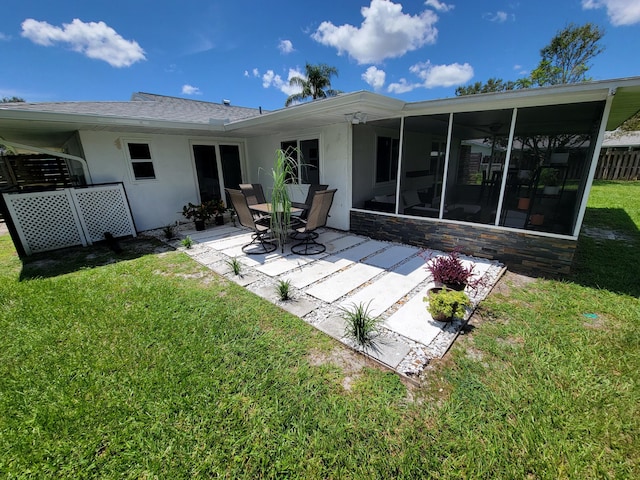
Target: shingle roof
(146, 106)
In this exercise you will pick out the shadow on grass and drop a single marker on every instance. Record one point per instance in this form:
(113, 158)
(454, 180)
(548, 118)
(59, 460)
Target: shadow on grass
(607, 253)
(67, 260)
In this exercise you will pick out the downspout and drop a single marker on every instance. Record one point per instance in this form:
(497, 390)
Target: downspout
(82, 161)
(594, 162)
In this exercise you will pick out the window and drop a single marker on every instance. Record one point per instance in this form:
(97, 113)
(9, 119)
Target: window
(141, 162)
(387, 159)
(306, 155)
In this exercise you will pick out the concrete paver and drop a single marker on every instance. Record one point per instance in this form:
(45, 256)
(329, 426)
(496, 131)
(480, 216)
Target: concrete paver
(343, 282)
(390, 288)
(391, 278)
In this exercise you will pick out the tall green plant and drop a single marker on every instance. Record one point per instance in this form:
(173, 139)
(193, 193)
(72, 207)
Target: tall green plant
(283, 171)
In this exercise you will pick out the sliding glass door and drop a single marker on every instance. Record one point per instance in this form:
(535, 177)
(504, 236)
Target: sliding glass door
(218, 166)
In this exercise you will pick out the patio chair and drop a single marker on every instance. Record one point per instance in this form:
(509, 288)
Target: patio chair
(261, 240)
(306, 206)
(253, 192)
(317, 218)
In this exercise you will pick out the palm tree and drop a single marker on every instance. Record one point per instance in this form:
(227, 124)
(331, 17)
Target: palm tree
(317, 83)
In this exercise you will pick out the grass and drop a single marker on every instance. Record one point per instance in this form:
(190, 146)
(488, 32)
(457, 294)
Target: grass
(283, 288)
(611, 264)
(148, 365)
(362, 327)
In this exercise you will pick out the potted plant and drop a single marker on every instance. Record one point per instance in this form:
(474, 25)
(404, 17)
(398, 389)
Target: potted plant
(444, 304)
(550, 178)
(449, 271)
(199, 213)
(218, 211)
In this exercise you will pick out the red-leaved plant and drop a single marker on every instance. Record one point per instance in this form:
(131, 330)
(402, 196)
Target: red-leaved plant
(449, 270)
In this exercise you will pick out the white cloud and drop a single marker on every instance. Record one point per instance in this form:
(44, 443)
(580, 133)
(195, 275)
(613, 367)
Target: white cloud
(499, 17)
(271, 79)
(246, 73)
(620, 12)
(386, 32)
(190, 90)
(402, 86)
(374, 77)
(442, 75)
(256, 72)
(285, 46)
(521, 70)
(94, 39)
(432, 76)
(439, 6)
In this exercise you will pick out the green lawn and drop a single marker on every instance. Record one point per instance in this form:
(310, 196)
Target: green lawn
(154, 367)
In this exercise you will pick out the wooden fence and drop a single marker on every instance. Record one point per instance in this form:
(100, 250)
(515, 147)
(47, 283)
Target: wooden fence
(618, 165)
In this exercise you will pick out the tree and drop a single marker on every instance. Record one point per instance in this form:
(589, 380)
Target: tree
(564, 60)
(317, 83)
(632, 124)
(493, 85)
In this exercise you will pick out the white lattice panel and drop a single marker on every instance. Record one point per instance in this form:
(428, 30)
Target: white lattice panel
(45, 221)
(103, 209)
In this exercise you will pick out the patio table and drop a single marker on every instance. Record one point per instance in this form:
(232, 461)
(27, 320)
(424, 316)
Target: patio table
(266, 208)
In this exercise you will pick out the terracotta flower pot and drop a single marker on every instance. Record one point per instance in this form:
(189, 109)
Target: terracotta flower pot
(537, 219)
(523, 203)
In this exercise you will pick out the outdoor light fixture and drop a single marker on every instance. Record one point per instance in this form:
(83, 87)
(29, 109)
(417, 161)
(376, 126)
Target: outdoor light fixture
(356, 118)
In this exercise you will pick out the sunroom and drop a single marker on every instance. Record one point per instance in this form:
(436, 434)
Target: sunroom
(507, 177)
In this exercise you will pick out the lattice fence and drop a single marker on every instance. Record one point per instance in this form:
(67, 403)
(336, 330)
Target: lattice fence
(73, 216)
(103, 209)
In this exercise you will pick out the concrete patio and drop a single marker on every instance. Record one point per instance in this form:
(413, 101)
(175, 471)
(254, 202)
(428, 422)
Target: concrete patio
(390, 278)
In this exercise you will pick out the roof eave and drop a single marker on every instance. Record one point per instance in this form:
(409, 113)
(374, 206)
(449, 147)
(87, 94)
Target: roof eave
(362, 101)
(106, 121)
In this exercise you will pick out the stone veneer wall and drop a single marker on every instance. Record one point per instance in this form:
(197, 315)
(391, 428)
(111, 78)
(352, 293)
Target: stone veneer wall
(520, 251)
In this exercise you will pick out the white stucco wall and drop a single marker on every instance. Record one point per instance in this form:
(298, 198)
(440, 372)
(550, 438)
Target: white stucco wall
(335, 170)
(154, 203)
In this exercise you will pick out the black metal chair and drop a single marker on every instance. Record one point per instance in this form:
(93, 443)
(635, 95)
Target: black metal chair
(261, 240)
(306, 206)
(253, 193)
(318, 214)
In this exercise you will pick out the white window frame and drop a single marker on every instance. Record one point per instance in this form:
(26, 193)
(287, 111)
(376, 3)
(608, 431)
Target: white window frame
(298, 141)
(131, 161)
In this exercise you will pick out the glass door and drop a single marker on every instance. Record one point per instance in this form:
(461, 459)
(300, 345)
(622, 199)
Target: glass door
(217, 167)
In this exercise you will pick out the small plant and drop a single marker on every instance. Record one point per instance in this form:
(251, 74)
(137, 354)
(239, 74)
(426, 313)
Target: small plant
(283, 173)
(199, 212)
(169, 231)
(284, 289)
(235, 265)
(187, 242)
(550, 177)
(449, 270)
(445, 304)
(361, 327)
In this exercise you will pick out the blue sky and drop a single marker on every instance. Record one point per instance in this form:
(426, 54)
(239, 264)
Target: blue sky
(246, 51)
